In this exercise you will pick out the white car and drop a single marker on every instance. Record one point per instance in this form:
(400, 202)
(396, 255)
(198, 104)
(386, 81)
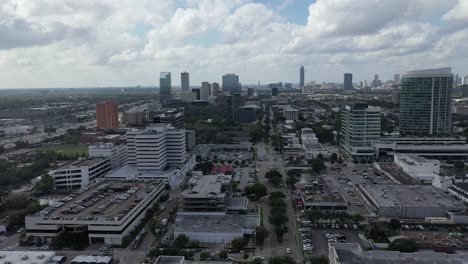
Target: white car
(288, 251)
(258, 257)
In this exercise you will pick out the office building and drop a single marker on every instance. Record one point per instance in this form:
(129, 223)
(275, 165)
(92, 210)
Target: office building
(274, 91)
(205, 91)
(348, 81)
(197, 92)
(396, 79)
(231, 83)
(360, 128)
(191, 139)
(376, 82)
(291, 113)
(135, 117)
(174, 116)
(188, 96)
(164, 86)
(250, 91)
(184, 81)
(117, 154)
(301, 77)
(215, 89)
(106, 211)
(246, 114)
(396, 96)
(465, 79)
(107, 116)
(232, 104)
(288, 86)
(426, 102)
(78, 174)
(464, 90)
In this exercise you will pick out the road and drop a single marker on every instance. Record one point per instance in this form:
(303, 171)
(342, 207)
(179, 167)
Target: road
(272, 247)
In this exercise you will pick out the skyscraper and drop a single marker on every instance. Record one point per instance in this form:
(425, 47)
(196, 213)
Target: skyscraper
(396, 79)
(164, 86)
(184, 81)
(465, 79)
(232, 103)
(274, 91)
(348, 81)
(376, 82)
(360, 128)
(107, 115)
(250, 91)
(215, 89)
(197, 91)
(231, 83)
(425, 102)
(301, 77)
(205, 91)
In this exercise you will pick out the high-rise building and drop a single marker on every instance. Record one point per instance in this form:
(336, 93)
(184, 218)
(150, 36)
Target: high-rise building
(274, 91)
(231, 83)
(107, 115)
(425, 102)
(175, 117)
(360, 128)
(396, 79)
(164, 86)
(348, 81)
(465, 79)
(156, 147)
(376, 82)
(464, 90)
(232, 103)
(215, 89)
(250, 91)
(197, 91)
(205, 91)
(301, 77)
(184, 81)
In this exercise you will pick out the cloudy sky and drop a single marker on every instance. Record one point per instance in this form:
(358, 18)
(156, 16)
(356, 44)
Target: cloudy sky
(81, 43)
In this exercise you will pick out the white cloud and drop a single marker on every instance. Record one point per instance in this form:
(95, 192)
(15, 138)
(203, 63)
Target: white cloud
(106, 40)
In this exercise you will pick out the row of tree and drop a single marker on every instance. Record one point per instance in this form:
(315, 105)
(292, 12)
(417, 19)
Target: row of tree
(278, 216)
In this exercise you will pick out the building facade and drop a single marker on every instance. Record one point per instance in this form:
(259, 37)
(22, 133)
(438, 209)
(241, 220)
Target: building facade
(426, 102)
(348, 81)
(301, 77)
(205, 91)
(360, 128)
(78, 174)
(215, 89)
(107, 116)
(231, 83)
(184, 81)
(116, 153)
(165, 86)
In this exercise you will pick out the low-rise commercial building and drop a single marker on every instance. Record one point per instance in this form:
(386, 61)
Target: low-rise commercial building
(417, 167)
(105, 211)
(79, 173)
(352, 253)
(116, 153)
(408, 201)
(26, 257)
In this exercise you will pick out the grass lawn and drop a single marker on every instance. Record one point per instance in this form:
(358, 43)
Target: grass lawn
(67, 149)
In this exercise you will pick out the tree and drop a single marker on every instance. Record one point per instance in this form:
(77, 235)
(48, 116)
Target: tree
(318, 259)
(276, 181)
(281, 260)
(261, 233)
(277, 217)
(317, 165)
(291, 181)
(205, 255)
(276, 195)
(45, 185)
(258, 189)
(340, 160)
(273, 174)
(223, 254)
(403, 245)
(333, 157)
(394, 223)
(181, 241)
(238, 243)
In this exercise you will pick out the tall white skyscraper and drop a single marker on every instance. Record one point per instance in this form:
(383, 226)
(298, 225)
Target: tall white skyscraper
(184, 81)
(465, 79)
(426, 102)
(396, 79)
(205, 91)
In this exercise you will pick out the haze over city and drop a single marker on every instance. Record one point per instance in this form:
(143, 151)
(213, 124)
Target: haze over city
(127, 43)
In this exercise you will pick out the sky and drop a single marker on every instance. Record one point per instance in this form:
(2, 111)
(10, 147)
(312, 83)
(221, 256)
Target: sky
(96, 43)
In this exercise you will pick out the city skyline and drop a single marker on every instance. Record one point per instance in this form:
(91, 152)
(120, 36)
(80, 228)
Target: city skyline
(81, 44)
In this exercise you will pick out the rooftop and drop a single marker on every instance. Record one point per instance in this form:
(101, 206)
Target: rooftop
(351, 253)
(447, 70)
(411, 195)
(206, 185)
(81, 163)
(224, 223)
(107, 200)
(169, 260)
